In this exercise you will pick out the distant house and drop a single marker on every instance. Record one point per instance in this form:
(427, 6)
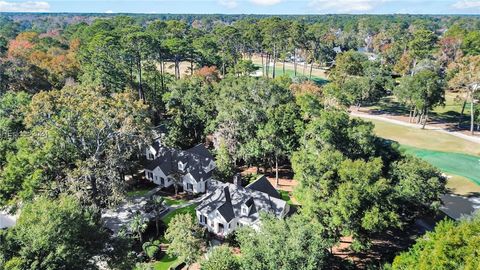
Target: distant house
(227, 207)
(194, 166)
(7, 220)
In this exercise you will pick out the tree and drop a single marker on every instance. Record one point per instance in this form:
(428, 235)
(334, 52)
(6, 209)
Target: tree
(452, 245)
(422, 44)
(293, 243)
(138, 225)
(54, 234)
(184, 237)
(158, 203)
(471, 43)
(278, 135)
(355, 183)
(190, 110)
(80, 141)
(467, 78)
(423, 91)
(12, 112)
(220, 258)
(224, 161)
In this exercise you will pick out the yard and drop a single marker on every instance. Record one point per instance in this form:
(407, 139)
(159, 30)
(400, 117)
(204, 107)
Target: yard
(459, 158)
(185, 210)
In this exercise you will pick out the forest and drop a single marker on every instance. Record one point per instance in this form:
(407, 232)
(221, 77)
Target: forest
(81, 96)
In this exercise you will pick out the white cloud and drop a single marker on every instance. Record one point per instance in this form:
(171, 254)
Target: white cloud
(228, 3)
(109, 11)
(265, 2)
(465, 4)
(346, 6)
(24, 6)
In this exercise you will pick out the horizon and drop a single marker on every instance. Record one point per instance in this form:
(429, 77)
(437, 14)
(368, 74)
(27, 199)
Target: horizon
(248, 7)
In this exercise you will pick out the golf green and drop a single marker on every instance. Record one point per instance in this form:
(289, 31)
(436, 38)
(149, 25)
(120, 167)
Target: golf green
(458, 164)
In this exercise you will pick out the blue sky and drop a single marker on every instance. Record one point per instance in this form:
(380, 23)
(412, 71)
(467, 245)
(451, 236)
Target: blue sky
(247, 6)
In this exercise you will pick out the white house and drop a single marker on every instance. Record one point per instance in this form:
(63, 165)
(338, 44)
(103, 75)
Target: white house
(227, 207)
(195, 167)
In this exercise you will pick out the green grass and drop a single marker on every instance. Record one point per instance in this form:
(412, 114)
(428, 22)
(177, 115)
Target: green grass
(462, 186)
(285, 196)
(138, 192)
(165, 263)
(450, 112)
(451, 163)
(425, 139)
(170, 201)
(185, 210)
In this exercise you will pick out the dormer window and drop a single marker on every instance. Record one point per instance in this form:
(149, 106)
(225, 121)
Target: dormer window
(247, 206)
(181, 166)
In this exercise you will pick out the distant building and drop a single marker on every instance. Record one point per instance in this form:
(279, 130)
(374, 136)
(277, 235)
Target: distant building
(227, 207)
(6, 220)
(195, 166)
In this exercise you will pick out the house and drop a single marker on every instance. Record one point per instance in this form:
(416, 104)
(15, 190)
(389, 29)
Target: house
(194, 166)
(227, 206)
(7, 220)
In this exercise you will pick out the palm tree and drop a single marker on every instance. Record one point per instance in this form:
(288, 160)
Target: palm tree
(177, 180)
(138, 224)
(157, 202)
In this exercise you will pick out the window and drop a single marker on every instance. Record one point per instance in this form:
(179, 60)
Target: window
(244, 210)
(189, 186)
(150, 156)
(203, 219)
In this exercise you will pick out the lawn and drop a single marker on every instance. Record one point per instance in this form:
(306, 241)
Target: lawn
(456, 157)
(169, 201)
(462, 186)
(425, 139)
(165, 263)
(450, 112)
(285, 196)
(185, 210)
(138, 192)
(451, 163)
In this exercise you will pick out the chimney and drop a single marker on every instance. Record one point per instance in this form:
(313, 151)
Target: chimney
(237, 180)
(228, 199)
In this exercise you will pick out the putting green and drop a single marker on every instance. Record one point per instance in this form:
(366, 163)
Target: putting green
(453, 163)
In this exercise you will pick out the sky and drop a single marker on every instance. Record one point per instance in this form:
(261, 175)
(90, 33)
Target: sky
(247, 6)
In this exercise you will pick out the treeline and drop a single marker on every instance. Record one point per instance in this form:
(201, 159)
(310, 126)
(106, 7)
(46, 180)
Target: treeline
(79, 105)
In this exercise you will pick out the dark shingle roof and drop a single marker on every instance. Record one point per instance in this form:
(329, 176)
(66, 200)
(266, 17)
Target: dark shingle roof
(200, 150)
(226, 209)
(259, 201)
(263, 185)
(168, 160)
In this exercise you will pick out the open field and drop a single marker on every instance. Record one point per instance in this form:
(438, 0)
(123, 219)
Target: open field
(451, 163)
(425, 139)
(456, 157)
(447, 115)
(462, 186)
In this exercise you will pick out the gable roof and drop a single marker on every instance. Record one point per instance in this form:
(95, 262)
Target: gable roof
(259, 201)
(263, 185)
(195, 164)
(226, 209)
(200, 150)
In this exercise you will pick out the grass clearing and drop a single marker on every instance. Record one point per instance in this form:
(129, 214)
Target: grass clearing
(448, 113)
(138, 192)
(462, 186)
(165, 263)
(425, 139)
(169, 201)
(451, 163)
(185, 210)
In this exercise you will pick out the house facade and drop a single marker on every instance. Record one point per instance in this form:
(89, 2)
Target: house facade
(193, 166)
(227, 206)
